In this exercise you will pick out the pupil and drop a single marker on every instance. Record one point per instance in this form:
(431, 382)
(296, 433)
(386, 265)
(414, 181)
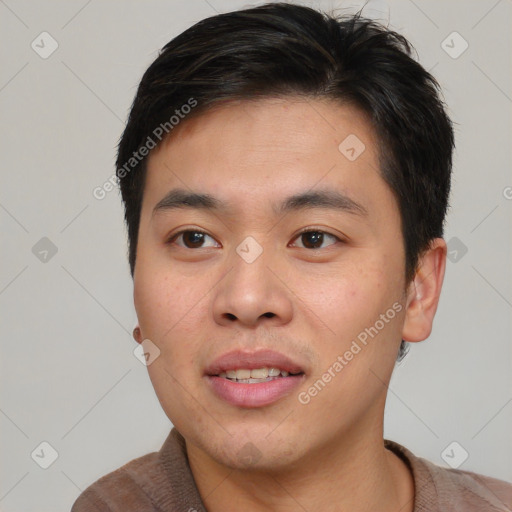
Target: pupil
(315, 236)
(196, 237)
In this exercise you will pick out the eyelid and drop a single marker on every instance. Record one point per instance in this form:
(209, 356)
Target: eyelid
(316, 229)
(313, 229)
(170, 239)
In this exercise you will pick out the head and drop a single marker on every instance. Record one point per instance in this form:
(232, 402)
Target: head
(241, 112)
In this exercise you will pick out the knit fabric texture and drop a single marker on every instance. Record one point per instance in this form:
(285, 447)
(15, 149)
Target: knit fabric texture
(163, 482)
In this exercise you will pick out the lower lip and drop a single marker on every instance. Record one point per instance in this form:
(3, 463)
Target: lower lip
(253, 395)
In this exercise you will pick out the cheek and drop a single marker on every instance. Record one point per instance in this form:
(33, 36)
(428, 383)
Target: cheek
(347, 307)
(164, 302)
(151, 300)
(166, 316)
(346, 299)
(169, 310)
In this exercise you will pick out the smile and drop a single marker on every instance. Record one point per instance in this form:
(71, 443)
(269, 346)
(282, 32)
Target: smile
(247, 376)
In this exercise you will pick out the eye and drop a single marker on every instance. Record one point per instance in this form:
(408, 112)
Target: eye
(315, 237)
(192, 238)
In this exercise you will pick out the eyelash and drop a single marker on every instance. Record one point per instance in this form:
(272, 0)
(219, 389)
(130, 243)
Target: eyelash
(173, 237)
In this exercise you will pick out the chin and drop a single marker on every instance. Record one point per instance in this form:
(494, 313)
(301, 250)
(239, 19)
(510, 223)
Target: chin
(248, 456)
(251, 449)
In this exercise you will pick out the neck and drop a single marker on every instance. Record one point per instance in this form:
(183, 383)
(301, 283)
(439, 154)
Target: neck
(353, 473)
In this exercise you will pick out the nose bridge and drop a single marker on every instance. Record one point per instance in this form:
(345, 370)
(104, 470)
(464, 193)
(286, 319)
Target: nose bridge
(250, 290)
(250, 260)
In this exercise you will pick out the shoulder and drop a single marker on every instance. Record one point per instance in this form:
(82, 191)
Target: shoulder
(155, 482)
(125, 488)
(469, 491)
(439, 489)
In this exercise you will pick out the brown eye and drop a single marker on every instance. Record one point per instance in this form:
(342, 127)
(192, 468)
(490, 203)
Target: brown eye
(313, 239)
(192, 238)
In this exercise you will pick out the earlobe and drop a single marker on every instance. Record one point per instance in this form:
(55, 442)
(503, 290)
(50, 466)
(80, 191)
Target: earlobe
(424, 292)
(137, 335)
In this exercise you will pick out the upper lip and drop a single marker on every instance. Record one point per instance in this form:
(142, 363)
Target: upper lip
(252, 360)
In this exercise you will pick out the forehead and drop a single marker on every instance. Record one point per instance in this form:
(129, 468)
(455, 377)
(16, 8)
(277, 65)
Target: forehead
(247, 151)
(281, 124)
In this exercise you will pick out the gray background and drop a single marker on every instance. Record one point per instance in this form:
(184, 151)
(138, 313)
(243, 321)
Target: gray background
(68, 373)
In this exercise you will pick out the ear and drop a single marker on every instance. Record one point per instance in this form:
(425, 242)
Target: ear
(137, 335)
(423, 293)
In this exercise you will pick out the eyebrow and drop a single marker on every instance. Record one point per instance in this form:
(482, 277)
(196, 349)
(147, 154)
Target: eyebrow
(322, 199)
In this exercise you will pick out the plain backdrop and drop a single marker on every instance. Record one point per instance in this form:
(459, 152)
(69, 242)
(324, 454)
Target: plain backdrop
(69, 377)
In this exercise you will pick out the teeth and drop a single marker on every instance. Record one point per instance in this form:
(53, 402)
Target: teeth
(245, 374)
(261, 373)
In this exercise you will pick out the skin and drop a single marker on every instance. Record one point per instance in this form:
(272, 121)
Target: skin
(196, 302)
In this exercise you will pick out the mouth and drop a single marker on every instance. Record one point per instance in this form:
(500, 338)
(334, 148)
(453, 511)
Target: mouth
(256, 379)
(255, 376)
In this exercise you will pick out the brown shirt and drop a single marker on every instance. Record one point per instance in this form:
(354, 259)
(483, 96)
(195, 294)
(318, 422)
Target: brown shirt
(163, 482)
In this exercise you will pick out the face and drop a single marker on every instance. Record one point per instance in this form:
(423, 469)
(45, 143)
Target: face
(233, 276)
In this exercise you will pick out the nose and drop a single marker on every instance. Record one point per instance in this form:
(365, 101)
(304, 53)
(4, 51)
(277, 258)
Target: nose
(252, 292)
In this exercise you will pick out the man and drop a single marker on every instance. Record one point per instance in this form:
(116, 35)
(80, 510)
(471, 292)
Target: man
(285, 176)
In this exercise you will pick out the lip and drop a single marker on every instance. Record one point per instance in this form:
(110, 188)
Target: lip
(253, 395)
(257, 394)
(238, 359)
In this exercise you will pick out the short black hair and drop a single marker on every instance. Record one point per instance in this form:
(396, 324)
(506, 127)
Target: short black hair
(280, 50)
